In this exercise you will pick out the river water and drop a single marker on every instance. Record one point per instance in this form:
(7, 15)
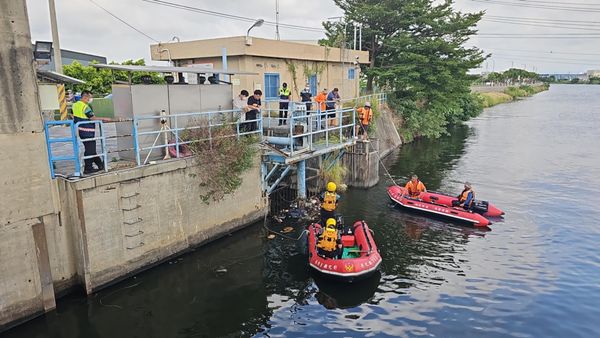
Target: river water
(534, 274)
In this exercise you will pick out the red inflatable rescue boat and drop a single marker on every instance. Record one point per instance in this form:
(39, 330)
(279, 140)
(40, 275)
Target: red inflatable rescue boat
(357, 258)
(441, 205)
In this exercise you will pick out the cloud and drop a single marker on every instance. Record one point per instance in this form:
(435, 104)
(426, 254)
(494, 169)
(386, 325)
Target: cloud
(86, 28)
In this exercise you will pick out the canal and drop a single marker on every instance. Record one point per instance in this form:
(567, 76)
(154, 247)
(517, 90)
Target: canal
(535, 274)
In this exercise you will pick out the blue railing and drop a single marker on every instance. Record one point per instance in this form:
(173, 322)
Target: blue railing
(73, 139)
(52, 158)
(172, 129)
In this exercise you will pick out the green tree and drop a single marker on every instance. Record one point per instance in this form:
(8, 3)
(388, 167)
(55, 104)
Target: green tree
(417, 50)
(100, 80)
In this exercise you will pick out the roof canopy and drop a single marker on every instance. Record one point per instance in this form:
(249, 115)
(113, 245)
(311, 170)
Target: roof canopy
(163, 69)
(57, 77)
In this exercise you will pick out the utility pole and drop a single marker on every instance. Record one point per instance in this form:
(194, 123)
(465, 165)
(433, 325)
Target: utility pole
(55, 43)
(277, 19)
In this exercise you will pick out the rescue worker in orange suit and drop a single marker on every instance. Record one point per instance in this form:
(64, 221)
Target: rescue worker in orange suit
(320, 99)
(365, 115)
(415, 187)
(466, 199)
(329, 202)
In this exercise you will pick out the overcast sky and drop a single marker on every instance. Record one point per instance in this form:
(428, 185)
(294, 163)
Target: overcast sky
(87, 28)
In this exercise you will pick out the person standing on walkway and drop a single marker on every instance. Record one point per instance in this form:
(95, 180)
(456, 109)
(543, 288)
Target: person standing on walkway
(332, 99)
(254, 104)
(365, 115)
(83, 112)
(306, 97)
(320, 100)
(284, 103)
(241, 103)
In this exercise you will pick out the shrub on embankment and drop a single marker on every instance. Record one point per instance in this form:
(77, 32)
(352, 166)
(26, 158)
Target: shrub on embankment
(220, 156)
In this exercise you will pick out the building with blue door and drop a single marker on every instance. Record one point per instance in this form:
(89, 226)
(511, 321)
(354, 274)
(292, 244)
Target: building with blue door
(274, 61)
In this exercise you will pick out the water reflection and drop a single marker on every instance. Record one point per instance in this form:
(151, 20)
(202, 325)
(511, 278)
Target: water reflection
(534, 275)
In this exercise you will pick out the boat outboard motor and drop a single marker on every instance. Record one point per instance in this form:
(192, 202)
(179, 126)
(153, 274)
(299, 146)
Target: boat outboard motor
(480, 207)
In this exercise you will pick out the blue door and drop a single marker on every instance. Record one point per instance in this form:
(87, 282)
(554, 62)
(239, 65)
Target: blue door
(312, 81)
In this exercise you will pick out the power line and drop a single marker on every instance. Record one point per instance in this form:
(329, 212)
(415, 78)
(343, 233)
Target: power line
(230, 16)
(123, 21)
(547, 52)
(540, 6)
(539, 25)
(525, 19)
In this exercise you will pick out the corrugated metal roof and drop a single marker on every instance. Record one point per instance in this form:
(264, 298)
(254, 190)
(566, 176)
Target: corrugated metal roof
(163, 69)
(57, 77)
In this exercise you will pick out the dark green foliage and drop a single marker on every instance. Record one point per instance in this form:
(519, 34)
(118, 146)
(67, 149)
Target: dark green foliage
(99, 81)
(417, 52)
(220, 162)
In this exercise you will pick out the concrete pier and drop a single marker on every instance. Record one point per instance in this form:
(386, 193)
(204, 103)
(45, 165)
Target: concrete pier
(362, 159)
(29, 210)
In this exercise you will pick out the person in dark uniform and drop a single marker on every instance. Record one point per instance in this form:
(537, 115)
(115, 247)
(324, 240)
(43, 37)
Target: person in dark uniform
(83, 112)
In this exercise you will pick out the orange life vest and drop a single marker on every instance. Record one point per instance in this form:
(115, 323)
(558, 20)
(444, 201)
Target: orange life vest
(465, 194)
(365, 115)
(329, 201)
(321, 98)
(328, 241)
(415, 189)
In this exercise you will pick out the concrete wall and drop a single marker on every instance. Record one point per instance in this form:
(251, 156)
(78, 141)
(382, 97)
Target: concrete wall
(237, 46)
(362, 160)
(27, 197)
(332, 74)
(132, 219)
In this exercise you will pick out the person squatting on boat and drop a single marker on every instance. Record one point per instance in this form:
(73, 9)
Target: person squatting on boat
(415, 187)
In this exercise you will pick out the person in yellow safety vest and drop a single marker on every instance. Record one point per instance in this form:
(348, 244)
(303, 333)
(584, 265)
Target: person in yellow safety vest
(284, 103)
(415, 187)
(466, 199)
(83, 112)
(365, 115)
(329, 201)
(329, 240)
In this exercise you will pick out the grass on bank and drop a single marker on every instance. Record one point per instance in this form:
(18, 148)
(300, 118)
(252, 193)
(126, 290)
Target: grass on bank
(510, 94)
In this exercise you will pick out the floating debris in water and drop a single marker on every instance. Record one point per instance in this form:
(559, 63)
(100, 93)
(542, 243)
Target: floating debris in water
(287, 229)
(221, 270)
(278, 219)
(271, 236)
(352, 316)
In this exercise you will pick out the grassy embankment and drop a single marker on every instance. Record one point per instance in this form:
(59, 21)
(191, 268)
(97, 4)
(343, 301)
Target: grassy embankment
(510, 94)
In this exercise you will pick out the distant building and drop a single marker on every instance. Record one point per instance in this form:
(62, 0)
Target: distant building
(275, 62)
(68, 56)
(593, 73)
(568, 77)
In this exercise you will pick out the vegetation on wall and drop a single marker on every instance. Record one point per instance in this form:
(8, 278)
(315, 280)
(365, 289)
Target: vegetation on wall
(221, 158)
(100, 80)
(291, 66)
(332, 170)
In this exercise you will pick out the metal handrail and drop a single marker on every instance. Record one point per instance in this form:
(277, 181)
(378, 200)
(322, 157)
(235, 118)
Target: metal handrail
(177, 129)
(101, 138)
